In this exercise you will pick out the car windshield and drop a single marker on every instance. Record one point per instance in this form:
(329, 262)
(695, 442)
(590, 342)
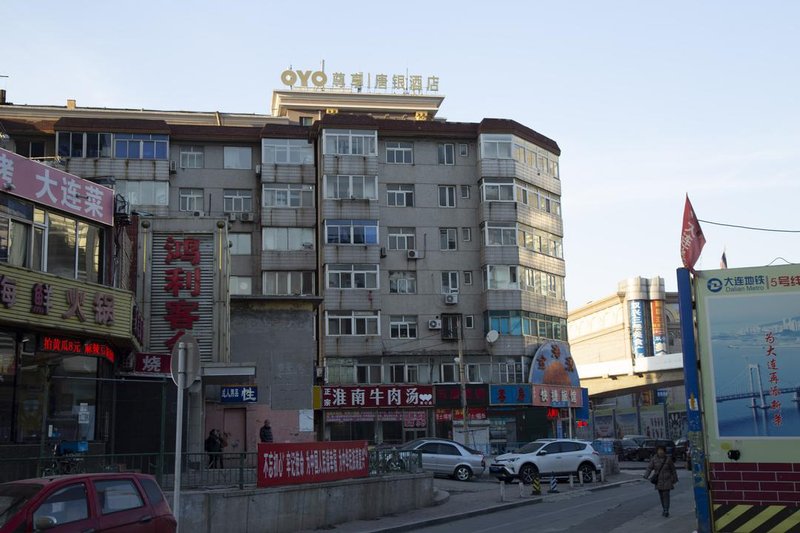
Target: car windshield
(531, 447)
(13, 496)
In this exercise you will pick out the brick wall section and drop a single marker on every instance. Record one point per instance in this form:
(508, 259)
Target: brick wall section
(755, 483)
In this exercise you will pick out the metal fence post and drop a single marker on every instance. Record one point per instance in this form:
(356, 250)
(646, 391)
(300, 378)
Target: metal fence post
(241, 471)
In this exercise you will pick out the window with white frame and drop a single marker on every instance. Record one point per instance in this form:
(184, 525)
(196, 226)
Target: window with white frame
(463, 149)
(287, 239)
(191, 199)
(540, 241)
(401, 238)
(469, 322)
(237, 200)
(287, 195)
(240, 243)
(449, 282)
(447, 196)
(351, 231)
(348, 276)
(400, 373)
(498, 234)
(496, 146)
(192, 157)
(241, 285)
(448, 238)
(502, 277)
(447, 154)
(141, 146)
(237, 157)
(400, 195)
(466, 234)
(139, 193)
(449, 373)
(287, 152)
(465, 191)
(369, 374)
(80, 144)
(402, 282)
(498, 191)
(403, 326)
(356, 323)
(399, 153)
(286, 283)
(351, 187)
(350, 142)
(467, 277)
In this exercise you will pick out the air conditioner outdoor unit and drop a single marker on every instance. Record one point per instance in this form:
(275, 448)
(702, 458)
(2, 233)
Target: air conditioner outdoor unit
(198, 213)
(451, 299)
(308, 245)
(173, 167)
(258, 170)
(434, 324)
(231, 217)
(246, 217)
(413, 254)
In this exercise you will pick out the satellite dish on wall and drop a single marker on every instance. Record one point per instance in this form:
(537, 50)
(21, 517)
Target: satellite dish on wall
(492, 336)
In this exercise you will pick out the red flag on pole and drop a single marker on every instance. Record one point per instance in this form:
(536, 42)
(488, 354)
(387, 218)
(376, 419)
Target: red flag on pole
(692, 238)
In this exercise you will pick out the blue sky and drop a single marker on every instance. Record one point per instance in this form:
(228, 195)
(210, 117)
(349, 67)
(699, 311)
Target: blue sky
(648, 101)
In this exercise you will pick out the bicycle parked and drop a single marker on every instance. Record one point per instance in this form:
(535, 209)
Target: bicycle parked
(68, 458)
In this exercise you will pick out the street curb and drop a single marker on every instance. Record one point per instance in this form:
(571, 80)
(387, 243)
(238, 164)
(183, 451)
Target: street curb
(492, 509)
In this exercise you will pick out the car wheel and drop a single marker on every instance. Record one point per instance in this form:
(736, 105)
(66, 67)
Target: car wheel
(585, 472)
(462, 473)
(527, 473)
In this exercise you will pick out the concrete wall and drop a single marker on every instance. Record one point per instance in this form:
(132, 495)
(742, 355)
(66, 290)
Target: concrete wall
(303, 507)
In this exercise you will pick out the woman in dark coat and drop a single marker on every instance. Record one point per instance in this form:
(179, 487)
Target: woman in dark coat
(665, 474)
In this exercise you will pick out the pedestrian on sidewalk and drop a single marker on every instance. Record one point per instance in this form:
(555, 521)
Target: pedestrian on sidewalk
(213, 447)
(266, 432)
(664, 476)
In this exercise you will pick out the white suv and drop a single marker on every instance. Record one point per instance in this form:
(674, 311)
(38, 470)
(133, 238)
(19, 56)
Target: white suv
(546, 457)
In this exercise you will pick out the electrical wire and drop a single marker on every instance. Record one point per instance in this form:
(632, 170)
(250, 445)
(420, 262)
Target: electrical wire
(749, 227)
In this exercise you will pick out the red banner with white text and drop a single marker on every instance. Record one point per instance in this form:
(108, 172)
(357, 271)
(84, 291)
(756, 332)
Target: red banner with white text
(311, 462)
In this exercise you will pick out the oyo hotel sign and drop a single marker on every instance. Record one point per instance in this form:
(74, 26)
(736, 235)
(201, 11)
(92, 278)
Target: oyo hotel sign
(319, 80)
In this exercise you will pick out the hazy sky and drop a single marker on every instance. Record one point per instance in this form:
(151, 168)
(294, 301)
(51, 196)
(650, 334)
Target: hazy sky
(647, 100)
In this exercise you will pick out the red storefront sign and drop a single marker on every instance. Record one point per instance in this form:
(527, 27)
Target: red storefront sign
(182, 282)
(557, 396)
(311, 462)
(153, 364)
(49, 343)
(474, 413)
(345, 397)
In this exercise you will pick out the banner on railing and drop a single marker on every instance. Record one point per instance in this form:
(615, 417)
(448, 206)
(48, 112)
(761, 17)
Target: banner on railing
(311, 462)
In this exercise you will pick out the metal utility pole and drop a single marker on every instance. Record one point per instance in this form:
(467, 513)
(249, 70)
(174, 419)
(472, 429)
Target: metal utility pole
(463, 381)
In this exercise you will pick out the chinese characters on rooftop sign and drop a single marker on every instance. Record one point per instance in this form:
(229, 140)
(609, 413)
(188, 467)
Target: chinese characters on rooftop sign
(343, 397)
(358, 81)
(54, 188)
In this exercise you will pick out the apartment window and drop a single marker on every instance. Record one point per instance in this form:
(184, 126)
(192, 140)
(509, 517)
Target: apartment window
(447, 196)
(448, 238)
(240, 243)
(350, 142)
(465, 191)
(70, 144)
(351, 231)
(449, 282)
(527, 323)
(287, 151)
(359, 323)
(143, 192)
(399, 153)
(463, 149)
(469, 322)
(306, 121)
(403, 282)
(285, 239)
(353, 276)
(496, 146)
(282, 283)
(467, 277)
(241, 286)
(237, 200)
(237, 157)
(352, 187)
(140, 146)
(447, 154)
(400, 195)
(404, 373)
(401, 238)
(287, 195)
(498, 191)
(501, 234)
(449, 373)
(540, 241)
(79, 144)
(191, 199)
(403, 327)
(466, 234)
(502, 277)
(367, 374)
(192, 157)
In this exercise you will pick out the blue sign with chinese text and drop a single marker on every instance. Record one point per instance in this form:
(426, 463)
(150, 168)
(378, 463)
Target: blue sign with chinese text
(239, 394)
(520, 394)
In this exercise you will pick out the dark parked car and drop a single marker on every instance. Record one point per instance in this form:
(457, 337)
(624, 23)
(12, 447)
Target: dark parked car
(681, 449)
(127, 502)
(649, 446)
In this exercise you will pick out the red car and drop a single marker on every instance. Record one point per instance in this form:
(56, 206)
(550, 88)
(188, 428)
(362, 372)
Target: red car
(85, 502)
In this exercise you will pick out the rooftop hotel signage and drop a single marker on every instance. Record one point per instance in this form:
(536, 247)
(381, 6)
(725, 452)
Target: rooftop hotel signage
(359, 81)
(54, 188)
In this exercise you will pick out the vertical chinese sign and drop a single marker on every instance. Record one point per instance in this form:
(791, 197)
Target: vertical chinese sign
(182, 290)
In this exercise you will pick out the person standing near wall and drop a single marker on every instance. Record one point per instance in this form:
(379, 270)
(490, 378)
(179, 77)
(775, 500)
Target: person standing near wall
(664, 478)
(266, 432)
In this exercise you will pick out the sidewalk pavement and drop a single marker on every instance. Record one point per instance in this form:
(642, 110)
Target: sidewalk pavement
(479, 497)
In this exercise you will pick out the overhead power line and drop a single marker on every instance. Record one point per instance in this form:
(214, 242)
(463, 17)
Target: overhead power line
(750, 227)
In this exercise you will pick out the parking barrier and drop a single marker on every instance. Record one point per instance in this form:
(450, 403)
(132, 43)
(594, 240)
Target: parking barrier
(571, 482)
(521, 488)
(536, 485)
(594, 476)
(553, 483)
(502, 490)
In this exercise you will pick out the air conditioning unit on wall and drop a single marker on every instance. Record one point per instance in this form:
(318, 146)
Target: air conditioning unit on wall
(413, 254)
(434, 324)
(246, 217)
(451, 299)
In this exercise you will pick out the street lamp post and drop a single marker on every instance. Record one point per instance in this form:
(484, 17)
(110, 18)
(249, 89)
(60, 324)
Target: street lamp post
(462, 380)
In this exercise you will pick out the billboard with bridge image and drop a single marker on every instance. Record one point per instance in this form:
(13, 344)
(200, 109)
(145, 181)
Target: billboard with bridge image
(749, 341)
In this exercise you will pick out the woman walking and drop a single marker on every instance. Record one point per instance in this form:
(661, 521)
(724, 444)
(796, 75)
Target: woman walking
(664, 478)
